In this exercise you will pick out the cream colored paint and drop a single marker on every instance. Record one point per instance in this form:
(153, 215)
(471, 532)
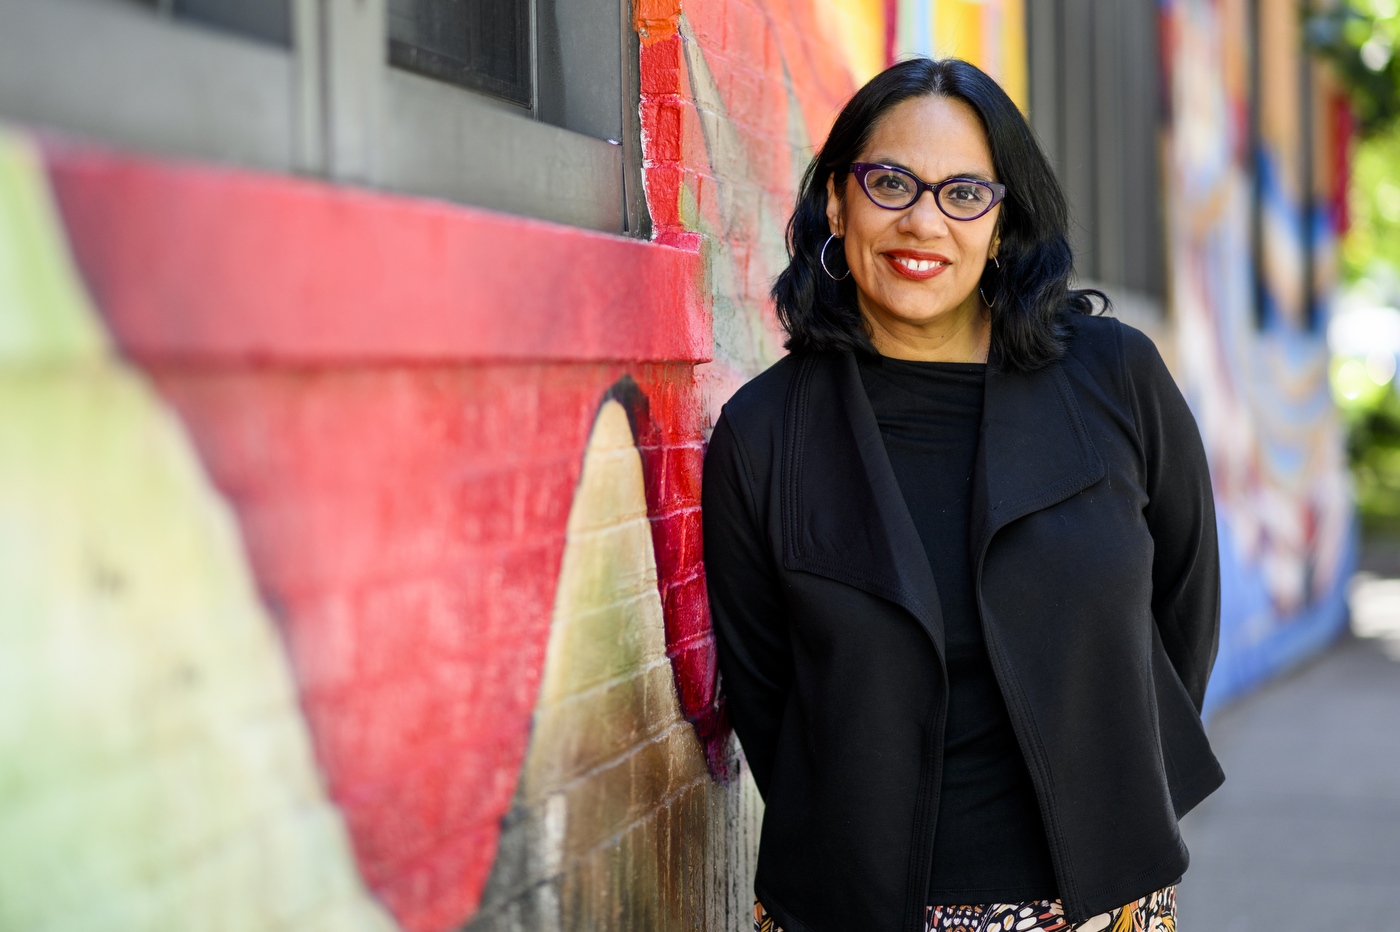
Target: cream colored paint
(44, 311)
(746, 338)
(607, 680)
(616, 823)
(155, 770)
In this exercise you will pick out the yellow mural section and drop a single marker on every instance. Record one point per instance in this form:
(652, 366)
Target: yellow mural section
(857, 28)
(989, 33)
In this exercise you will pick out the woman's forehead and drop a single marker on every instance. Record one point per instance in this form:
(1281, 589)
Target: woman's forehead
(931, 135)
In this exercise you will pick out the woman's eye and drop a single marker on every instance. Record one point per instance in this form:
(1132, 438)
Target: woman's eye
(893, 183)
(965, 193)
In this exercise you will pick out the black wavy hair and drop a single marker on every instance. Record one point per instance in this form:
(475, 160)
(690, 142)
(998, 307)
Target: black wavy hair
(1030, 290)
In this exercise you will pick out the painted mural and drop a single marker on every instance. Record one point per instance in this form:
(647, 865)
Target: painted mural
(155, 767)
(337, 598)
(347, 584)
(616, 804)
(400, 524)
(1258, 383)
(735, 97)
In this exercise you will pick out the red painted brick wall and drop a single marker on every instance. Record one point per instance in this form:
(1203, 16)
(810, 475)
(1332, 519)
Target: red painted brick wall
(402, 489)
(403, 407)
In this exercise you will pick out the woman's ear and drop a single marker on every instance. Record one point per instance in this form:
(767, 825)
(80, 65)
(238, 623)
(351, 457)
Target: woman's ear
(833, 208)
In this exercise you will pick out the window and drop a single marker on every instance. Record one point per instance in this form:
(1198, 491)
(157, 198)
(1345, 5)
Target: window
(134, 75)
(457, 117)
(524, 106)
(481, 44)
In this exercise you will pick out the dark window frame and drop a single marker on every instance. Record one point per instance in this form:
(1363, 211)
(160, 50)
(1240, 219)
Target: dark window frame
(467, 68)
(330, 105)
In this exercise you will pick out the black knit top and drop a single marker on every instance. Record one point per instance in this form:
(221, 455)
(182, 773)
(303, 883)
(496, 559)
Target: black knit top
(990, 844)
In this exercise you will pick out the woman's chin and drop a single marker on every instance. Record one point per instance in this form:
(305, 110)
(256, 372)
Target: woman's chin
(919, 318)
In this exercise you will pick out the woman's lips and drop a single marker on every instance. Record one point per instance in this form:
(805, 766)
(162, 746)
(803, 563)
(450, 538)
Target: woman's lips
(916, 266)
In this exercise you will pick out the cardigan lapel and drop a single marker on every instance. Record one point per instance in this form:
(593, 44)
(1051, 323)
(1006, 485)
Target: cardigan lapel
(844, 516)
(1034, 451)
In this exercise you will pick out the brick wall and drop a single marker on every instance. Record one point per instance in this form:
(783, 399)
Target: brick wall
(733, 95)
(157, 772)
(404, 487)
(415, 511)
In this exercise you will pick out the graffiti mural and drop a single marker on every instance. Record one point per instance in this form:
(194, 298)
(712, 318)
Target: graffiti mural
(352, 558)
(1258, 386)
(735, 98)
(615, 784)
(403, 495)
(157, 770)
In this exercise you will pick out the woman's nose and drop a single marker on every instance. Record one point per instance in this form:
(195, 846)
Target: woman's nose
(924, 219)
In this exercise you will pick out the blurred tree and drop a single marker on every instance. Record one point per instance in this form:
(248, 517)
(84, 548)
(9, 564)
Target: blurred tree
(1373, 446)
(1360, 37)
(1374, 204)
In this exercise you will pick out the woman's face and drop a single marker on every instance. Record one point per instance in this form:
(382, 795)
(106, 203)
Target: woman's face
(916, 270)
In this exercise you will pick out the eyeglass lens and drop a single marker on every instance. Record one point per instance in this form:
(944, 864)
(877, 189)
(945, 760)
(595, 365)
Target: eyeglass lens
(895, 189)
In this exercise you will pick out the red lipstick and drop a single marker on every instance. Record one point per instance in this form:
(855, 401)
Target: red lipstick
(915, 264)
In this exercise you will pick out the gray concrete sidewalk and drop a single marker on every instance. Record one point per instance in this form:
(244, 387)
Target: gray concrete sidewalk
(1305, 833)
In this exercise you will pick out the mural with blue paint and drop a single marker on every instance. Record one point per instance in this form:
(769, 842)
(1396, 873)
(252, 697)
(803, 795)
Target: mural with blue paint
(1249, 315)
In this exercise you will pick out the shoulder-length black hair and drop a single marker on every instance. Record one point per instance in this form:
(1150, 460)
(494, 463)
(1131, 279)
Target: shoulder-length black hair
(1030, 290)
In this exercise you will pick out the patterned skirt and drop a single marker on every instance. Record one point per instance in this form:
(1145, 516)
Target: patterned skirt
(1155, 912)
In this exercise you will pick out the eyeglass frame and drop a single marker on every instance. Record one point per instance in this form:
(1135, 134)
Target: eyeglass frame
(860, 169)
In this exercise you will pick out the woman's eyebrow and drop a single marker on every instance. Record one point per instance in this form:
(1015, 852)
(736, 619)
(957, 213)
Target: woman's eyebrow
(972, 175)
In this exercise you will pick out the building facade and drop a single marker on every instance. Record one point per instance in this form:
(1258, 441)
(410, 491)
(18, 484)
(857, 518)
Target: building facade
(357, 359)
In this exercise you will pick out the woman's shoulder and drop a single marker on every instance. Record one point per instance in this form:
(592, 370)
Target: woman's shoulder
(1096, 337)
(1112, 365)
(1114, 352)
(762, 400)
(748, 433)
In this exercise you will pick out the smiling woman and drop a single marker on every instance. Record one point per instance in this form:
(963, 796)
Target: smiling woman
(960, 547)
(888, 232)
(1014, 240)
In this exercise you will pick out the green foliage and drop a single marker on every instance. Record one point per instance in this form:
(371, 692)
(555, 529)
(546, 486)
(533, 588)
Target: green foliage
(1360, 38)
(1374, 205)
(1373, 446)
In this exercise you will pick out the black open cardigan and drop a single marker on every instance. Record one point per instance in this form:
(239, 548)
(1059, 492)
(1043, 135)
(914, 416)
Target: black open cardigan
(1093, 545)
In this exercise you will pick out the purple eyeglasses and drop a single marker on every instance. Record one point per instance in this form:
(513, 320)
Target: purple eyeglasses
(897, 188)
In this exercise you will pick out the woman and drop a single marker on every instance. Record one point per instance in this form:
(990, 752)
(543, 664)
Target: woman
(961, 549)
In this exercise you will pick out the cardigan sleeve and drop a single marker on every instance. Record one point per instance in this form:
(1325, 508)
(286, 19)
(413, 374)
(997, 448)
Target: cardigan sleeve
(746, 605)
(1180, 515)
